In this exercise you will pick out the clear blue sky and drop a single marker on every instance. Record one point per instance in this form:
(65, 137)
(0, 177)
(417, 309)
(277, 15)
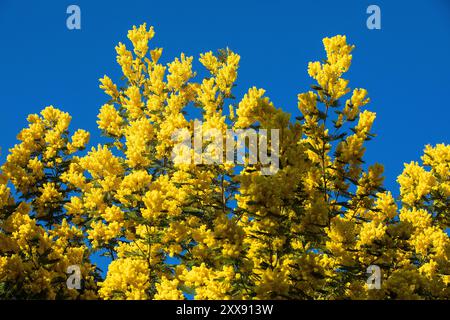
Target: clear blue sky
(405, 66)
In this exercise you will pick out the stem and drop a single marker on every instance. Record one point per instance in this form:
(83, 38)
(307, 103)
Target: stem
(323, 152)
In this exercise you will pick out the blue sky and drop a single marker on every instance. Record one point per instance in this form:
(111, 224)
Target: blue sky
(405, 66)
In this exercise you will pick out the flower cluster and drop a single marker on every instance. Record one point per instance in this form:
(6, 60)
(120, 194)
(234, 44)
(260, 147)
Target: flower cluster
(220, 231)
